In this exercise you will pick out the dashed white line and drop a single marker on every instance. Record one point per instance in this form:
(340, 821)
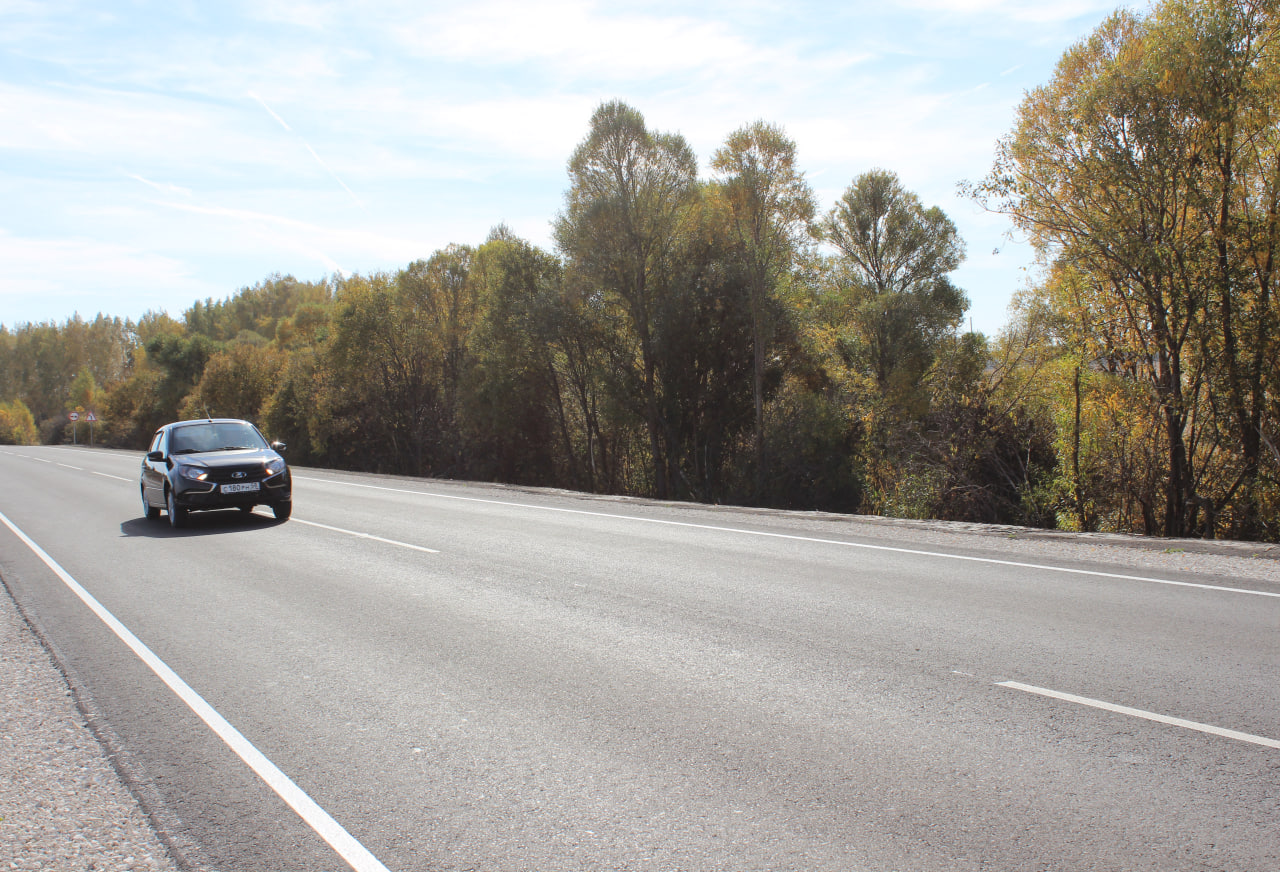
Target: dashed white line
(357, 856)
(69, 466)
(116, 477)
(1139, 713)
(795, 538)
(369, 536)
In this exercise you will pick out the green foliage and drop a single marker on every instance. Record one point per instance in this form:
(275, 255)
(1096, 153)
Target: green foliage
(769, 210)
(513, 409)
(258, 310)
(399, 353)
(892, 281)
(235, 383)
(83, 394)
(815, 451)
(629, 189)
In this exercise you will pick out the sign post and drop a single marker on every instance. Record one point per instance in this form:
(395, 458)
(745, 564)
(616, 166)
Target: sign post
(92, 419)
(73, 417)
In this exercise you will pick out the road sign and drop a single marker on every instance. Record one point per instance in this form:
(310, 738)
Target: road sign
(74, 416)
(91, 417)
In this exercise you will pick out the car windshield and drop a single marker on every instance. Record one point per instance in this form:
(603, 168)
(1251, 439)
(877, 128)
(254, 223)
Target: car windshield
(221, 436)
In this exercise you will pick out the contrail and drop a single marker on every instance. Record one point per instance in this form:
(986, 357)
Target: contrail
(271, 111)
(319, 160)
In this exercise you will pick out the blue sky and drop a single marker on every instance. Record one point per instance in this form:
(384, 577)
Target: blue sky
(156, 153)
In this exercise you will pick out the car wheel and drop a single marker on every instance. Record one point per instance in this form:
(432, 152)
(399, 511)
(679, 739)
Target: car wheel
(149, 511)
(282, 510)
(177, 514)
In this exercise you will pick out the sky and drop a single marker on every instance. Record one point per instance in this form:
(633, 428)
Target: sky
(153, 154)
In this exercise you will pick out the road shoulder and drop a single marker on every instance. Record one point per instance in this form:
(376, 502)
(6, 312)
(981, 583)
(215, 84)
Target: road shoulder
(62, 804)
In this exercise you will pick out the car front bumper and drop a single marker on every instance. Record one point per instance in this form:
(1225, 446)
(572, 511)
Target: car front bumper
(198, 495)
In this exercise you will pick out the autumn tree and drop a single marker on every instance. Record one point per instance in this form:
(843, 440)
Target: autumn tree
(17, 426)
(628, 188)
(517, 426)
(704, 345)
(893, 277)
(235, 383)
(395, 362)
(770, 206)
(1147, 165)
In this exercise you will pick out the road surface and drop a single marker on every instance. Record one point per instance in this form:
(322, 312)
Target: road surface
(424, 675)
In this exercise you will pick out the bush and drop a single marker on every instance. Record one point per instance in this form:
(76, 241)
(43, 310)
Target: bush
(17, 426)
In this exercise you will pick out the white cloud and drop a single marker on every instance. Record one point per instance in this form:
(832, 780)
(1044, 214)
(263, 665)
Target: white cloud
(575, 36)
(129, 128)
(86, 275)
(1032, 11)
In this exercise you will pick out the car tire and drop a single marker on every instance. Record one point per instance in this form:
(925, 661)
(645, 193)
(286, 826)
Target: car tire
(282, 510)
(177, 514)
(149, 511)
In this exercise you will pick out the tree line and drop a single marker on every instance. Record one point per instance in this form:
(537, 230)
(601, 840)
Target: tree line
(721, 339)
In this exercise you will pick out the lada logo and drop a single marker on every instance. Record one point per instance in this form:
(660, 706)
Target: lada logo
(239, 474)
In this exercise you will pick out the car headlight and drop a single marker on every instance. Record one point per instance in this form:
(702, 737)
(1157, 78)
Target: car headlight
(275, 467)
(193, 473)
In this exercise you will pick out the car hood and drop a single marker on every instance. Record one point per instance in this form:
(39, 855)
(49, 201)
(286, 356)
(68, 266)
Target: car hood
(220, 459)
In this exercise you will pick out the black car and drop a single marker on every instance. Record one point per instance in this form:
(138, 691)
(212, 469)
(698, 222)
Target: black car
(216, 463)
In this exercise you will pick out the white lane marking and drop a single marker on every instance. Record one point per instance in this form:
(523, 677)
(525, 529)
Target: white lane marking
(105, 475)
(366, 536)
(66, 465)
(1139, 713)
(795, 538)
(355, 854)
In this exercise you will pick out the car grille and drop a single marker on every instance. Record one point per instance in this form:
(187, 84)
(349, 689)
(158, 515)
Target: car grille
(227, 474)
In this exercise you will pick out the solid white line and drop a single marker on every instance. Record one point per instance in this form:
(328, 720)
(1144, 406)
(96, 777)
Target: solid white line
(366, 536)
(795, 538)
(355, 854)
(1139, 713)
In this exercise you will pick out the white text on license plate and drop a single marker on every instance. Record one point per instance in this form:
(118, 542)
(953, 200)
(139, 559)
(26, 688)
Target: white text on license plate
(240, 488)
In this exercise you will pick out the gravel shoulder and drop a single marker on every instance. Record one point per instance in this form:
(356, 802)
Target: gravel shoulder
(63, 806)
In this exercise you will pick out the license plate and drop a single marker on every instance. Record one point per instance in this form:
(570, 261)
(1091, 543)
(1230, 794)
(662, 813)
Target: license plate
(240, 488)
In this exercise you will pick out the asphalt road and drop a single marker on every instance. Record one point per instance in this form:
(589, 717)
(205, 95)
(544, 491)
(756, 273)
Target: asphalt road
(509, 679)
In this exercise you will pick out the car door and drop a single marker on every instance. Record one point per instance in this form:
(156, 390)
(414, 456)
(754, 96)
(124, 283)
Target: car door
(153, 471)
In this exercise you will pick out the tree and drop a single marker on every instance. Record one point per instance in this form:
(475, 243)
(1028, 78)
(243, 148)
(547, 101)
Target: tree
(396, 359)
(703, 345)
(1221, 68)
(516, 423)
(83, 393)
(1148, 167)
(235, 383)
(628, 188)
(770, 206)
(896, 256)
(17, 427)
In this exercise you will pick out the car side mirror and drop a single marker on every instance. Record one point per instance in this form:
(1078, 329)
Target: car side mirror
(279, 446)
(157, 456)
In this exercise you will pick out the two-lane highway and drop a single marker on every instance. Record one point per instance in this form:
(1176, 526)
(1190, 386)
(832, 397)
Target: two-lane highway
(441, 676)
